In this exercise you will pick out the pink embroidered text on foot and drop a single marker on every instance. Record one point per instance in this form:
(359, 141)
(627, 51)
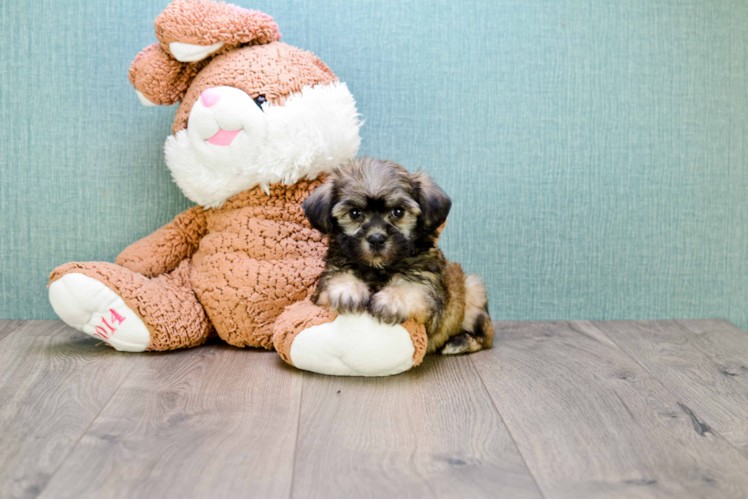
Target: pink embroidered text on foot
(114, 319)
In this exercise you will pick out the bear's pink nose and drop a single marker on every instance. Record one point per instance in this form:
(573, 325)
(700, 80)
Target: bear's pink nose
(210, 97)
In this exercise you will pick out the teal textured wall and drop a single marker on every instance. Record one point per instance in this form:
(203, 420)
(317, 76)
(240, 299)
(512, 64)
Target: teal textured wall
(596, 151)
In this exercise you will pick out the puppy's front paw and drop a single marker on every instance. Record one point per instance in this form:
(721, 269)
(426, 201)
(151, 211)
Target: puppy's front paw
(389, 306)
(349, 297)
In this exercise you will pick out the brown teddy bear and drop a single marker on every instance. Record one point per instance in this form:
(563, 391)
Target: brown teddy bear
(258, 125)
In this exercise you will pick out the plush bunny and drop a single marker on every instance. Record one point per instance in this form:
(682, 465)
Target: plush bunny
(258, 125)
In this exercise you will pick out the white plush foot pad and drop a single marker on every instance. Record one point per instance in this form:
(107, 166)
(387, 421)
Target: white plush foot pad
(89, 306)
(354, 345)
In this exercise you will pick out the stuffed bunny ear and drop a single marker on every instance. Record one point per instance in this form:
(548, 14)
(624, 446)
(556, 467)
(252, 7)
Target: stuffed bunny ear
(191, 30)
(159, 79)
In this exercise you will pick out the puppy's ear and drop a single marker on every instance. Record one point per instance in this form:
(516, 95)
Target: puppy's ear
(318, 207)
(434, 202)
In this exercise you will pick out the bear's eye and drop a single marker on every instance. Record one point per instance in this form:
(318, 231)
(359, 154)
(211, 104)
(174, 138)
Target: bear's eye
(260, 101)
(355, 214)
(397, 213)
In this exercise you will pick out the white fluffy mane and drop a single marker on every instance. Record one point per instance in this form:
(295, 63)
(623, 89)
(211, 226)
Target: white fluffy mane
(315, 131)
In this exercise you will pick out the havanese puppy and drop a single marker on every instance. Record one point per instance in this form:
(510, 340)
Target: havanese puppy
(383, 223)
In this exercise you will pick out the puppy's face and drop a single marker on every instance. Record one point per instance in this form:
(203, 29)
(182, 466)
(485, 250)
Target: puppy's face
(377, 211)
(375, 214)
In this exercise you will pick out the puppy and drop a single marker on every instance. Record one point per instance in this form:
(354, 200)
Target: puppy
(383, 223)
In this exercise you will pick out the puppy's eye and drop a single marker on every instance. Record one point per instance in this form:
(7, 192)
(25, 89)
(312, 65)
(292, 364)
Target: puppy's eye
(355, 214)
(397, 213)
(260, 101)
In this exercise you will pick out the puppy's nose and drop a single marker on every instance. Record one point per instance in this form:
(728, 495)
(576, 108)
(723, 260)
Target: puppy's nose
(377, 241)
(210, 97)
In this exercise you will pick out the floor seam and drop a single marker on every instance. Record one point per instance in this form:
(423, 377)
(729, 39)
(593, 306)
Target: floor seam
(26, 322)
(13, 330)
(657, 379)
(296, 442)
(77, 442)
(511, 436)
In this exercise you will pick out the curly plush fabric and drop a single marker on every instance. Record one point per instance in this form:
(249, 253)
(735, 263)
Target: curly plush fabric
(160, 78)
(260, 255)
(206, 23)
(420, 340)
(166, 304)
(273, 71)
(163, 250)
(236, 267)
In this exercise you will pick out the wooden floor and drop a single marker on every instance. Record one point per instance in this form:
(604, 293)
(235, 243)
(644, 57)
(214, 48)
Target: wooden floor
(581, 409)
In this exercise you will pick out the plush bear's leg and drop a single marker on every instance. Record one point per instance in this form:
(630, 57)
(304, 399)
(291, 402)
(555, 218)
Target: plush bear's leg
(295, 319)
(315, 339)
(244, 296)
(128, 311)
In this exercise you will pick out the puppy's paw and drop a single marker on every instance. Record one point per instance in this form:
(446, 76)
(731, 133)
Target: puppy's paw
(463, 343)
(348, 297)
(389, 306)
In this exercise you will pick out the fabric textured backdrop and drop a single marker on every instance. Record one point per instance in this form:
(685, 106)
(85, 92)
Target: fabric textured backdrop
(595, 151)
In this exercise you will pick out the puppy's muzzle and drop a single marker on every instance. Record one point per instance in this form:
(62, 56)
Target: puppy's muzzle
(377, 242)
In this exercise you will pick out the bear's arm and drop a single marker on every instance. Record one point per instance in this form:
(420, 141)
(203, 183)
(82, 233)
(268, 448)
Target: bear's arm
(161, 251)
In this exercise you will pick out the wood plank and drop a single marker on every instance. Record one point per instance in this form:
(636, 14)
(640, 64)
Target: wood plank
(703, 362)
(430, 432)
(591, 422)
(213, 421)
(53, 382)
(8, 326)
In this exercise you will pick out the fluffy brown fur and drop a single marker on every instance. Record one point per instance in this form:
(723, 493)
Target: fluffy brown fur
(383, 224)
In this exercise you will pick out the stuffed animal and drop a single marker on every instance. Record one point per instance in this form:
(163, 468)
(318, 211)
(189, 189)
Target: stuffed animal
(259, 123)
